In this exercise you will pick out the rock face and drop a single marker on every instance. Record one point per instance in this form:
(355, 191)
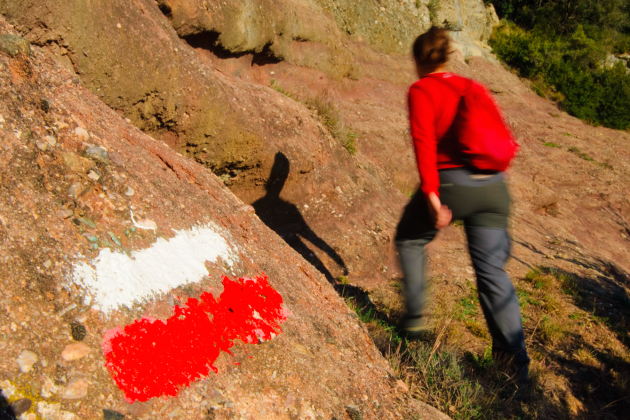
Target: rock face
(81, 187)
(143, 65)
(320, 363)
(277, 28)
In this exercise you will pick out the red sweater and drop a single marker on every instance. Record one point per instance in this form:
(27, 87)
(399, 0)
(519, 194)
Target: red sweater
(432, 108)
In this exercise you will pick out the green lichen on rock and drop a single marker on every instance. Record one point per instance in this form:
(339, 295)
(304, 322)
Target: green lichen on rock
(14, 45)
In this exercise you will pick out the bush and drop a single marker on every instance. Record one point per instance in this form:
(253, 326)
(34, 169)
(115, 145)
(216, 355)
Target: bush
(574, 66)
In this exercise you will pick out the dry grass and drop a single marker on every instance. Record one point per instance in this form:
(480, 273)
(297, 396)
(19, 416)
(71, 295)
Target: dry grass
(329, 114)
(408, 188)
(551, 331)
(327, 109)
(580, 365)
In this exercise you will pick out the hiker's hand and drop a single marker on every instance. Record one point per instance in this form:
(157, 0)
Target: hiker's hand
(440, 214)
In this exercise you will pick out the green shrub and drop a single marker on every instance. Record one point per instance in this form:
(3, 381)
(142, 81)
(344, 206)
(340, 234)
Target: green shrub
(570, 68)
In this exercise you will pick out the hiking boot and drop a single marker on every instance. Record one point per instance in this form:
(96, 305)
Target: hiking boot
(521, 378)
(416, 327)
(516, 363)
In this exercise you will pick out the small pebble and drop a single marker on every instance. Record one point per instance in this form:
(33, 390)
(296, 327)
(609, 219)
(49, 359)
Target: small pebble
(146, 224)
(64, 214)
(129, 192)
(139, 409)
(53, 411)
(98, 153)
(48, 388)
(51, 140)
(26, 360)
(115, 157)
(77, 388)
(21, 406)
(47, 264)
(175, 413)
(87, 222)
(66, 310)
(77, 331)
(82, 134)
(112, 415)
(93, 176)
(75, 190)
(14, 45)
(43, 146)
(44, 105)
(247, 209)
(114, 238)
(75, 351)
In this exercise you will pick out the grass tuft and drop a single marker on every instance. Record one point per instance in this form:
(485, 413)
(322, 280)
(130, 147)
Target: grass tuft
(434, 7)
(327, 110)
(551, 331)
(274, 85)
(581, 154)
(343, 280)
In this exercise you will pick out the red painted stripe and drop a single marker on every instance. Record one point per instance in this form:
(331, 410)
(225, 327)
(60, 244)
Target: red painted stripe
(152, 358)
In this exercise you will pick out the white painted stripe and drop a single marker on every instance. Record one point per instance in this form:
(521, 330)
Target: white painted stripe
(115, 279)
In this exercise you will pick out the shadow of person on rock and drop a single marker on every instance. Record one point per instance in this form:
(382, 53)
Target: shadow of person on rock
(286, 220)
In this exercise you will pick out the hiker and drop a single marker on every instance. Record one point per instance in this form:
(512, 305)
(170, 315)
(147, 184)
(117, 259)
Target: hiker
(460, 180)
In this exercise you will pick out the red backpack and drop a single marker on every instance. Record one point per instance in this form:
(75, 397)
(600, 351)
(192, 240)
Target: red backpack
(486, 141)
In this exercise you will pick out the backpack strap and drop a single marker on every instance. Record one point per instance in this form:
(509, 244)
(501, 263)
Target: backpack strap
(445, 83)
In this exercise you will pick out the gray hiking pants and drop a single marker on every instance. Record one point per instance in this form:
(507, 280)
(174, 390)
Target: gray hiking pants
(482, 202)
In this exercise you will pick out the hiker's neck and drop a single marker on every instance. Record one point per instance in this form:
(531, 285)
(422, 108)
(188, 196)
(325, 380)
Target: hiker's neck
(424, 71)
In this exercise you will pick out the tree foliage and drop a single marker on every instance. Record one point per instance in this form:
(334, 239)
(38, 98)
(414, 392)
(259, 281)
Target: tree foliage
(564, 47)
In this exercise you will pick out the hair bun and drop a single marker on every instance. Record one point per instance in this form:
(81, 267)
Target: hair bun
(432, 48)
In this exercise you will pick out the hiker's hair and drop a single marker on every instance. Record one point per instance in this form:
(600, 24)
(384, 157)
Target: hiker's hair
(432, 48)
